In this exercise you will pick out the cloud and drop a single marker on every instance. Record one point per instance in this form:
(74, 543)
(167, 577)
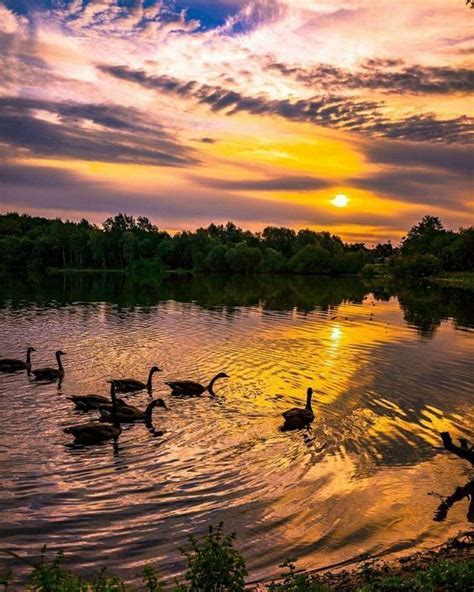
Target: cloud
(107, 133)
(291, 183)
(415, 187)
(387, 75)
(364, 117)
(452, 159)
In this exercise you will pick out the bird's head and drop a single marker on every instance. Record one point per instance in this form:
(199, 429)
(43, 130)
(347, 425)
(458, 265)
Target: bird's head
(222, 375)
(60, 353)
(30, 349)
(160, 403)
(155, 369)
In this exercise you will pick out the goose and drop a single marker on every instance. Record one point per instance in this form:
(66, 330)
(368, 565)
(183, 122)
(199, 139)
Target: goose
(95, 432)
(88, 402)
(130, 413)
(50, 373)
(189, 388)
(12, 365)
(130, 385)
(299, 417)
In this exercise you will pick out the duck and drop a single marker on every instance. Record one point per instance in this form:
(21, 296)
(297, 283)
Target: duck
(89, 402)
(131, 385)
(299, 417)
(130, 413)
(12, 365)
(50, 373)
(96, 432)
(189, 388)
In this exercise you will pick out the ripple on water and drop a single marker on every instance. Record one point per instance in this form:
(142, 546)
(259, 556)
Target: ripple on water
(356, 482)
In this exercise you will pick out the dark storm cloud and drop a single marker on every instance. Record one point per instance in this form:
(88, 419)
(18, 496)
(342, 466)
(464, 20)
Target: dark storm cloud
(15, 174)
(365, 117)
(118, 134)
(412, 186)
(455, 159)
(391, 76)
(303, 183)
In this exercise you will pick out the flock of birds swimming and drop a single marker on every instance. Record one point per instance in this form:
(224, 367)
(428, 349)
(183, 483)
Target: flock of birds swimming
(113, 412)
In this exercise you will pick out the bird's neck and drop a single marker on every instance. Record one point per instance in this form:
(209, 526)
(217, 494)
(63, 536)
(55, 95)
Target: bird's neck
(210, 386)
(149, 383)
(60, 365)
(28, 358)
(114, 416)
(309, 396)
(149, 413)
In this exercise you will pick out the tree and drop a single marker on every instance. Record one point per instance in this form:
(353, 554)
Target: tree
(312, 259)
(272, 262)
(216, 260)
(280, 239)
(120, 223)
(243, 259)
(420, 237)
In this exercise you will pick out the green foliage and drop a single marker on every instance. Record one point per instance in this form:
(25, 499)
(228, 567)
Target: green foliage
(217, 259)
(416, 266)
(369, 271)
(294, 581)
(214, 565)
(34, 244)
(243, 259)
(444, 575)
(273, 262)
(312, 259)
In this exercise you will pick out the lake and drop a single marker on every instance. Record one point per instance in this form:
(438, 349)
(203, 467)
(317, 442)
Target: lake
(390, 370)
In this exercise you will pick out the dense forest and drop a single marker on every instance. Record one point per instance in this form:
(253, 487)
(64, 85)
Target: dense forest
(123, 242)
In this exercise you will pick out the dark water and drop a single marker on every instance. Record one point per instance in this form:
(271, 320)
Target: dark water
(390, 371)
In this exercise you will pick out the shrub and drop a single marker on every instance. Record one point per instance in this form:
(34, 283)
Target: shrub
(312, 259)
(272, 262)
(243, 259)
(416, 266)
(216, 259)
(294, 581)
(369, 271)
(214, 565)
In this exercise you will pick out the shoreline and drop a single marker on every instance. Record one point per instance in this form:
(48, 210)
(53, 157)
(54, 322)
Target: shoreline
(374, 571)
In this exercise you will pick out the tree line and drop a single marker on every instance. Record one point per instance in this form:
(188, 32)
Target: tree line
(29, 243)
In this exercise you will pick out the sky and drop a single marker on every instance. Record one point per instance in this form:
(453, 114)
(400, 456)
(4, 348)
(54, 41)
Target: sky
(255, 111)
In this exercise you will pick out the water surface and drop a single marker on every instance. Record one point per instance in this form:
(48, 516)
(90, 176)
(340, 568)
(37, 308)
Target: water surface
(390, 370)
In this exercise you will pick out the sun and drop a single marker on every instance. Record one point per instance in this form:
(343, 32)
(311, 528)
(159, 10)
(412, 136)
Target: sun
(340, 201)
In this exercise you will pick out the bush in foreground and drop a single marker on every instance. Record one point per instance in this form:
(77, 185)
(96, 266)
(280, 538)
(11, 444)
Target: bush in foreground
(213, 565)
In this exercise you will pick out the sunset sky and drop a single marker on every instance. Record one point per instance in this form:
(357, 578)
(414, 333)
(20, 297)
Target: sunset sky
(255, 111)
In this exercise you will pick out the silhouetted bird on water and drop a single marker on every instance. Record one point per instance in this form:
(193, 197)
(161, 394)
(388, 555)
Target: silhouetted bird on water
(299, 417)
(50, 373)
(89, 402)
(129, 413)
(12, 365)
(189, 388)
(96, 432)
(131, 385)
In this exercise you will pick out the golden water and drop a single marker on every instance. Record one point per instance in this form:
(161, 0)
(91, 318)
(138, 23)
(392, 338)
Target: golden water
(390, 371)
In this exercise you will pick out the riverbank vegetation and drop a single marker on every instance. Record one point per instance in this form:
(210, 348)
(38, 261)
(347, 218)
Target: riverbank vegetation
(212, 564)
(35, 244)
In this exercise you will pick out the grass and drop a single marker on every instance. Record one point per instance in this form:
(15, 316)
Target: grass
(213, 565)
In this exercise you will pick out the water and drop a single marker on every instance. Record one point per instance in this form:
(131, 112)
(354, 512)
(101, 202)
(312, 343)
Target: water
(390, 371)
